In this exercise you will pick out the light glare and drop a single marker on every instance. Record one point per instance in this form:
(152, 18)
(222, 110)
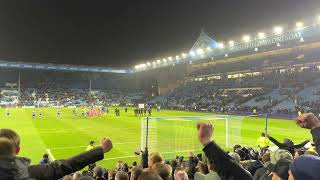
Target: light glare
(299, 24)
(278, 30)
(261, 35)
(246, 38)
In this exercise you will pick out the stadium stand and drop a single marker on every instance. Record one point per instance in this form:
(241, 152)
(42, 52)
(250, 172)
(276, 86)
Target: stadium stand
(281, 78)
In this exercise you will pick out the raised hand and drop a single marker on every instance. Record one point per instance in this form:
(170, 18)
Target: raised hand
(308, 121)
(205, 131)
(106, 145)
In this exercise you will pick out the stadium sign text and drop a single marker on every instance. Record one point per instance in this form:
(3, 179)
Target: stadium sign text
(268, 41)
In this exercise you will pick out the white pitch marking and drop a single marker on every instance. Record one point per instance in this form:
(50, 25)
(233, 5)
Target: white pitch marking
(50, 155)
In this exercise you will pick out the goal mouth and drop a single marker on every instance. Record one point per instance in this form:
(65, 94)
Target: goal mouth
(177, 135)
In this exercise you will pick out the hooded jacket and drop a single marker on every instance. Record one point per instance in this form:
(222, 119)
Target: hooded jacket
(14, 168)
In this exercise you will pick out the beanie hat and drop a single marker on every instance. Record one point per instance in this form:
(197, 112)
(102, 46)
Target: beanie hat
(306, 167)
(282, 168)
(280, 154)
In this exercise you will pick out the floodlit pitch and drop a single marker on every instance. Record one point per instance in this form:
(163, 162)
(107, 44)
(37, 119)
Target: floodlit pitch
(68, 135)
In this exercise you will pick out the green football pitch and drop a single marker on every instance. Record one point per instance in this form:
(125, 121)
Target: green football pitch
(69, 135)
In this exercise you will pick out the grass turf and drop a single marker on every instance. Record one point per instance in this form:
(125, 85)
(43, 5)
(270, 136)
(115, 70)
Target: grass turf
(69, 135)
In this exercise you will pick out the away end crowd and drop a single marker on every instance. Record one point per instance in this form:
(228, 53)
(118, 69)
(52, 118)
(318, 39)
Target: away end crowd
(289, 162)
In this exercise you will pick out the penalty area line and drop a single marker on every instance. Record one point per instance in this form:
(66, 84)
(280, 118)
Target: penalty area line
(50, 155)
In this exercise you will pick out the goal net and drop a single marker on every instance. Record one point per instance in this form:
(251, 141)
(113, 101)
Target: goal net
(172, 136)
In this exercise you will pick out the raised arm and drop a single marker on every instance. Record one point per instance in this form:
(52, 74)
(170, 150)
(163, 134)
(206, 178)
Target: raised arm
(276, 142)
(60, 168)
(225, 166)
(310, 121)
(297, 146)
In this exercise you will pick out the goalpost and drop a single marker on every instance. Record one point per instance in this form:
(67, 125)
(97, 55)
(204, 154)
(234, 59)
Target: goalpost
(178, 135)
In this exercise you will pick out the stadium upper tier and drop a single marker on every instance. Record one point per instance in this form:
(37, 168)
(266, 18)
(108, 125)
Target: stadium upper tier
(206, 49)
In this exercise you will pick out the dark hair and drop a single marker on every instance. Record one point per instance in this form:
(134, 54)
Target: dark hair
(134, 163)
(235, 147)
(45, 155)
(147, 175)
(136, 172)
(6, 146)
(163, 170)
(122, 176)
(11, 135)
(203, 168)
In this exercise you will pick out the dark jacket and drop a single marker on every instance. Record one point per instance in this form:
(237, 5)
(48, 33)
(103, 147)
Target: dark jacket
(14, 168)
(254, 166)
(288, 146)
(316, 138)
(225, 166)
(59, 168)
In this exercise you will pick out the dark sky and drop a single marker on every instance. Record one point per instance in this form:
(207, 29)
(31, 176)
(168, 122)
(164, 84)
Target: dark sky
(122, 33)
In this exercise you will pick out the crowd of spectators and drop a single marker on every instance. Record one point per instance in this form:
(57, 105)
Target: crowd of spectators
(283, 93)
(289, 162)
(56, 94)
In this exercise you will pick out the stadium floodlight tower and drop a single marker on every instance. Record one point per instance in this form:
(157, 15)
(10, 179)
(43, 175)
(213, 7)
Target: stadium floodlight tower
(177, 135)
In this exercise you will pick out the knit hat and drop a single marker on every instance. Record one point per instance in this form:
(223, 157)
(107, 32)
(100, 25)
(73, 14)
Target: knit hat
(306, 167)
(281, 168)
(280, 154)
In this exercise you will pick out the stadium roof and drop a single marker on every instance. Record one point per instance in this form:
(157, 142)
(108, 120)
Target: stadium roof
(207, 48)
(61, 67)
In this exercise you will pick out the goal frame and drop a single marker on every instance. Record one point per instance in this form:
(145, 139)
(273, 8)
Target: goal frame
(145, 122)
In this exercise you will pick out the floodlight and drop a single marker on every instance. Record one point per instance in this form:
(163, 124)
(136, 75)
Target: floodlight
(299, 25)
(226, 55)
(148, 64)
(192, 53)
(199, 51)
(177, 57)
(220, 45)
(137, 66)
(164, 60)
(278, 30)
(261, 35)
(153, 62)
(170, 58)
(246, 38)
(184, 55)
(231, 43)
(158, 61)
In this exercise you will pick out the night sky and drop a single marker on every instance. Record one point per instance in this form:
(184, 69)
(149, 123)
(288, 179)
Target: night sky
(120, 33)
